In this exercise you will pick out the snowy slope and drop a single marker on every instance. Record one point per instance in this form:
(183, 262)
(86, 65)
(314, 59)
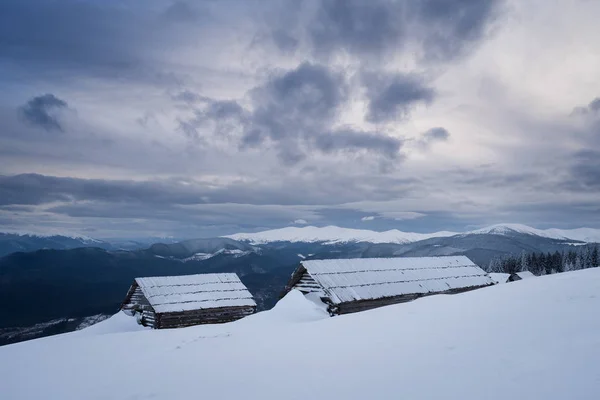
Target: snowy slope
(334, 234)
(532, 339)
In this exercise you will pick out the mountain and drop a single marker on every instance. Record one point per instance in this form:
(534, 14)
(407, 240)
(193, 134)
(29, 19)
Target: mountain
(13, 242)
(588, 235)
(200, 248)
(533, 339)
(334, 234)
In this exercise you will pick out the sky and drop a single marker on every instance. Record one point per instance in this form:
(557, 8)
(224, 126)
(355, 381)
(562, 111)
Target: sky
(196, 119)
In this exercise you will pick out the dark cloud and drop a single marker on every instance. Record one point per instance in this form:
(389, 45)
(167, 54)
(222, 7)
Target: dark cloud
(436, 134)
(393, 97)
(584, 172)
(447, 29)
(592, 108)
(36, 189)
(354, 140)
(439, 30)
(296, 111)
(284, 41)
(210, 117)
(42, 111)
(187, 96)
(181, 11)
(360, 27)
(69, 34)
(121, 40)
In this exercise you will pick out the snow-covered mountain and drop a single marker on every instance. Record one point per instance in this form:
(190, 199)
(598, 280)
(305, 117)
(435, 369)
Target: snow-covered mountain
(588, 235)
(335, 234)
(12, 242)
(533, 339)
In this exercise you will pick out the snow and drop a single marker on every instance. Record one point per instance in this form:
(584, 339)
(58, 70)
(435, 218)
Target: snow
(118, 323)
(50, 233)
(373, 278)
(499, 277)
(525, 275)
(534, 339)
(334, 234)
(194, 292)
(236, 253)
(588, 235)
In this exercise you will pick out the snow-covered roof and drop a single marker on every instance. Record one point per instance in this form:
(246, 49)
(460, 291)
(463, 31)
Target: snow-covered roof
(346, 280)
(499, 277)
(193, 292)
(525, 274)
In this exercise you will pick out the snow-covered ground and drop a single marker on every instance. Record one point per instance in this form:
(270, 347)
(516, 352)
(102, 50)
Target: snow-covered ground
(532, 339)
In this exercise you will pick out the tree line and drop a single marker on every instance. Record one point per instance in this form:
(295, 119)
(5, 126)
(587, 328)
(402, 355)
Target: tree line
(547, 263)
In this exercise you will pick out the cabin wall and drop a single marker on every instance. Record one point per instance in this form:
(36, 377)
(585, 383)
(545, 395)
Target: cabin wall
(136, 303)
(198, 317)
(363, 305)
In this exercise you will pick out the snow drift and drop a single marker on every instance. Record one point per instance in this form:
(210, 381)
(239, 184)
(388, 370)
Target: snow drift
(532, 339)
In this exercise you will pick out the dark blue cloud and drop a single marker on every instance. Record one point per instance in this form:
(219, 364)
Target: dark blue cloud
(436, 134)
(362, 27)
(42, 111)
(394, 97)
(355, 140)
(450, 28)
(442, 29)
(584, 172)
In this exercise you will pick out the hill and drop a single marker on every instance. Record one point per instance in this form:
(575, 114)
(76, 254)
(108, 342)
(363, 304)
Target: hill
(534, 339)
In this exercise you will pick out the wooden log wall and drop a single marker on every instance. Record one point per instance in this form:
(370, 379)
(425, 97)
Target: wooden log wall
(363, 305)
(198, 317)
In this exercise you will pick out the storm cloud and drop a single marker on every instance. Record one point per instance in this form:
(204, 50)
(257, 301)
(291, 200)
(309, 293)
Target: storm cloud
(394, 97)
(42, 111)
(442, 29)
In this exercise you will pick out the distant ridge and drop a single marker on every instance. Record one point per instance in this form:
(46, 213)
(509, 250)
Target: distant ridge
(335, 234)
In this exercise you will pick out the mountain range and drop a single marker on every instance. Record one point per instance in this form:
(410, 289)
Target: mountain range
(335, 234)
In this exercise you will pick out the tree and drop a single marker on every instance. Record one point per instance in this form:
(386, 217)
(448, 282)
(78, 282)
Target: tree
(524, 261)
(595, 259)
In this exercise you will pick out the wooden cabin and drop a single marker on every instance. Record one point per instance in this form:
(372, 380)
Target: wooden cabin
(351, 285)
(517, 276)
(177, 301)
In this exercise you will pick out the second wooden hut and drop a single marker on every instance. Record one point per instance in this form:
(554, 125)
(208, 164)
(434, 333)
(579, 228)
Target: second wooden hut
(350, 285)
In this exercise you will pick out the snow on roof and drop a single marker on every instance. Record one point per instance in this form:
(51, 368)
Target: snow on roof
(525, 274)
(499, 277)
(193, 292)
(371, 278)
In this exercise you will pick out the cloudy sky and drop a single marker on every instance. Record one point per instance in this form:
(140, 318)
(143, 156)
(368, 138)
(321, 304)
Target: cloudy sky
(200, 118)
